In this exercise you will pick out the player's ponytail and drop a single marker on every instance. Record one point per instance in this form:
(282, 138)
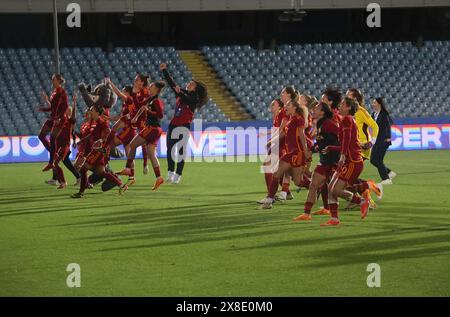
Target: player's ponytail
(202, 93)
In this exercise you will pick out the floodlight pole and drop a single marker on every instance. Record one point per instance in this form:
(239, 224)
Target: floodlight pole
(55, 37)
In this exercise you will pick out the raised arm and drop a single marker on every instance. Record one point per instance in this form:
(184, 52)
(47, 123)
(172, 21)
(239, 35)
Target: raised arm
(116, 90)
(172, 84)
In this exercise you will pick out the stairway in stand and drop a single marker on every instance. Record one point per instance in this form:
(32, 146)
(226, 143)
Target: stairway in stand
(217, 90)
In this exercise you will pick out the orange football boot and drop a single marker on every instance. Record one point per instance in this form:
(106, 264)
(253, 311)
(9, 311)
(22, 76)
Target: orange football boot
(365, 204)
(159, 181)
(303, 217)
(321, 212)
(330, 222)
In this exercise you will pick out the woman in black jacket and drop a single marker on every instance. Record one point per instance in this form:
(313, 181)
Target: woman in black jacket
(384, 121)
(188, 100)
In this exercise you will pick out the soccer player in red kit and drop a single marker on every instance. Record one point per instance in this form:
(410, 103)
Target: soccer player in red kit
(96, 159)
(84, 144)
(150, 134)
(327, 134)
(332, 96)
(141, 97)
(57, 105)
(276, 142)
(294, 159)
(123, 123)
(350, 164)
(62, 142)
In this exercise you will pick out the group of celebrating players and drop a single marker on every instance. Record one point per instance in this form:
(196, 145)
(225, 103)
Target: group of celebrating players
(138, 124)
(336, 127)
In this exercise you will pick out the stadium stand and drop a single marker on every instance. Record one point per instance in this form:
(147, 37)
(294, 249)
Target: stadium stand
(20, 69)
(414, 81)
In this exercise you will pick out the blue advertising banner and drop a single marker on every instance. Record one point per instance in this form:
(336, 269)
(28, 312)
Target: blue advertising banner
(241, 138)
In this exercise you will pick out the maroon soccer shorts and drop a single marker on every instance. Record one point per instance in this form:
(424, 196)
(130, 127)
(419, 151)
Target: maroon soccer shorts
(296, 159)
(126, 135)
(95, 158)
(326, 170)
(350, 171)
(151, 134)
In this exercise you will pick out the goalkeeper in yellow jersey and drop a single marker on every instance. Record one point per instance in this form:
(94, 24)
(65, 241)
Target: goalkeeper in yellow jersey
(367, 130)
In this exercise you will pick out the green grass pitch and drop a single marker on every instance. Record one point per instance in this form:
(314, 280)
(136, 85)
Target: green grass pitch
(205, 237)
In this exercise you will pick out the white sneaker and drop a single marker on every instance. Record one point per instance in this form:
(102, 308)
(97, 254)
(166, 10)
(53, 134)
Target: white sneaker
(392, 174)
(281, 196)
(262, 201)
(387, 182)
(380, 186)
(176, 178)
(169, 178)
(145, 170)
(53, 182)
(268, 203)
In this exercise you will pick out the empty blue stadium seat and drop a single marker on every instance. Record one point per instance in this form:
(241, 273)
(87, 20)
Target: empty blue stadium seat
(391, 69)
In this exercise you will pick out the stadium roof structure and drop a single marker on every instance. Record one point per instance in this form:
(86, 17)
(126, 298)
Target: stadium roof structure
(46, 6)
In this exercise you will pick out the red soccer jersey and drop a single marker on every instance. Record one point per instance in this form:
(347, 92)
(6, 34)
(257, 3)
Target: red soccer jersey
(140, 99)
(128, 108)
(100, 130)
(183, 114)
(58, 103)
(348, 138)
(155, 112)
(85, 130)
(278, 117)
(292, 131)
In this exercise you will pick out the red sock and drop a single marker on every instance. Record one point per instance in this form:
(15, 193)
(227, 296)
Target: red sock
(113, 178)
(356, 199)
(325, 196)
(268, 179)
(144, 155)
(334, 210)
(157, 171)
(273, 187)
(285, 187)
(132, 172)
(308, 207)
